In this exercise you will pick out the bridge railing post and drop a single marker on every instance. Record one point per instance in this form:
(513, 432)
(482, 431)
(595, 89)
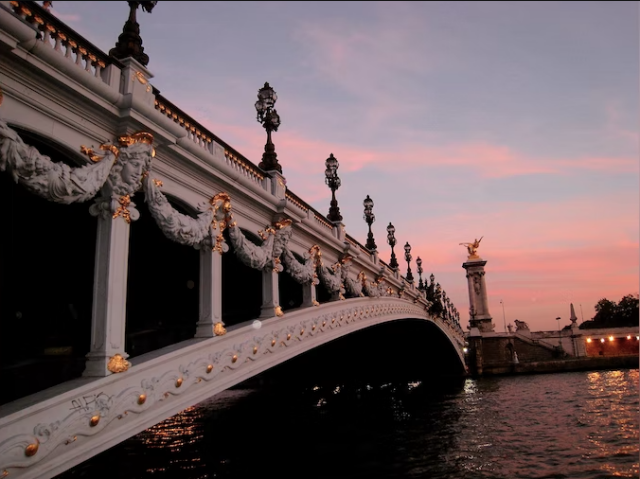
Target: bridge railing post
(210, 293)
(108, 317)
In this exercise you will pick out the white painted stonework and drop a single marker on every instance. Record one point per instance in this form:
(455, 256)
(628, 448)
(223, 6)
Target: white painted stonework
(175, 378)
(69, 98)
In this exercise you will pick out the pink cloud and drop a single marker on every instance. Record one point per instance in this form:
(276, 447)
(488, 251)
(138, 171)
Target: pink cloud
(66, 17)
(303, 155)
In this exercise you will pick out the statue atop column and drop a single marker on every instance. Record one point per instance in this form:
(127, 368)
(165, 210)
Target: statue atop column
(472, 248)
(129, 42)
(478, 298)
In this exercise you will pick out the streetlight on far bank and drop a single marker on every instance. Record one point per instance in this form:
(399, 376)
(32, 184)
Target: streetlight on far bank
(559, 334)
(504, 317)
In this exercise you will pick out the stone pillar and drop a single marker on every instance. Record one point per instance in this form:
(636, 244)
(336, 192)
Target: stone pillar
(108, 316)
(478, 302)
(210, 292)
(270, 295)
(475, 352)
(308, 295)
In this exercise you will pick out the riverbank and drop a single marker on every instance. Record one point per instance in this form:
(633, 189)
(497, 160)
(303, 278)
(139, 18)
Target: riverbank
(564, 365)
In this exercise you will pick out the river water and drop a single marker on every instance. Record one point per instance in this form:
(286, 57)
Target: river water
(569, 425)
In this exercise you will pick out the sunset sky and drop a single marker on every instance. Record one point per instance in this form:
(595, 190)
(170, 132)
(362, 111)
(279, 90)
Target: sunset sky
(516, 121)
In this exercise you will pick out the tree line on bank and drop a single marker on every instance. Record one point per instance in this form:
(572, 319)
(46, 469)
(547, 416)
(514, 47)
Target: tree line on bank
(610, 314)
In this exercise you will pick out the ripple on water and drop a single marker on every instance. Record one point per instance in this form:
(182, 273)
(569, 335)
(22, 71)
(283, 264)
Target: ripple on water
(572, 425)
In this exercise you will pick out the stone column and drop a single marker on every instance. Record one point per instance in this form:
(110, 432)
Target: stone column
(478, 296)
(210, 293)
(270, 295)
(108, 317)
(308, 295)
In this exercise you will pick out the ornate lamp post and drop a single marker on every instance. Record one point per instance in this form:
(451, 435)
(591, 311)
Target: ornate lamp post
(270, 120)
(129, 43)
(333, 181)
(407, 257)
(391, 239)
(369, 217)
(420, 283)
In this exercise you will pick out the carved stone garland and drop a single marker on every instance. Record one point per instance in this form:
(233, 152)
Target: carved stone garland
(56, 182)
(303, 273)
(331, 278)
(176, 226)
(352, 287)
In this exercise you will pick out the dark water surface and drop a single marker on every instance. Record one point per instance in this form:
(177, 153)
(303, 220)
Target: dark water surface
(570, 425)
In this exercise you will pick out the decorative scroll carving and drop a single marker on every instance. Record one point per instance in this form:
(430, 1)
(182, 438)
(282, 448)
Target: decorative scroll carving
(125, 178)
(177, 227)
(55, 182)
(303, 273)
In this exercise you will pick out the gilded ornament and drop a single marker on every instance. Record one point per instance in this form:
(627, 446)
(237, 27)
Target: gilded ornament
(324, 323)
(301, 332)
(138, 137)
(94, 420)
(31, 449)
(118, 364)
(178, 382)
(276, 262)
(255, 349)
(315, 303)
(5, 473)
(123, 209)
(273, 342)
(90, 153)
(70, 440)
(313, 328)
(142, 399)
(209, 368)
(219, 329)
(282, 223)
(472, 249)
(234, 358)
(288, 337)
(278, 311)
(140, 77)
(158, 183)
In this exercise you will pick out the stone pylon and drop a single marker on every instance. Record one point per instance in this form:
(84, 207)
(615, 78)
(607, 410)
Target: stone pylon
(478, 302)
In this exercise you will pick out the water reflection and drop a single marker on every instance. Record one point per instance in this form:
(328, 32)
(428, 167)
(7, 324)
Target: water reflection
(573, 425)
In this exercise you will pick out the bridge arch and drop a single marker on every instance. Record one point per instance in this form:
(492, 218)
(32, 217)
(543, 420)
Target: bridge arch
(160, 386)
(47, 253)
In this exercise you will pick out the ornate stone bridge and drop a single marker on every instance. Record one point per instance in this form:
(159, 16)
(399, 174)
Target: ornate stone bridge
(146, 264)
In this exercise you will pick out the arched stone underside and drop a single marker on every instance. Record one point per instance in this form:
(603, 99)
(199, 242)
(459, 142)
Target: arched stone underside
(77, 424)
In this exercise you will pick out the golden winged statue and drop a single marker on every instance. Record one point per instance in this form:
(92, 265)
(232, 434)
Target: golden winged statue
(472, 248)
